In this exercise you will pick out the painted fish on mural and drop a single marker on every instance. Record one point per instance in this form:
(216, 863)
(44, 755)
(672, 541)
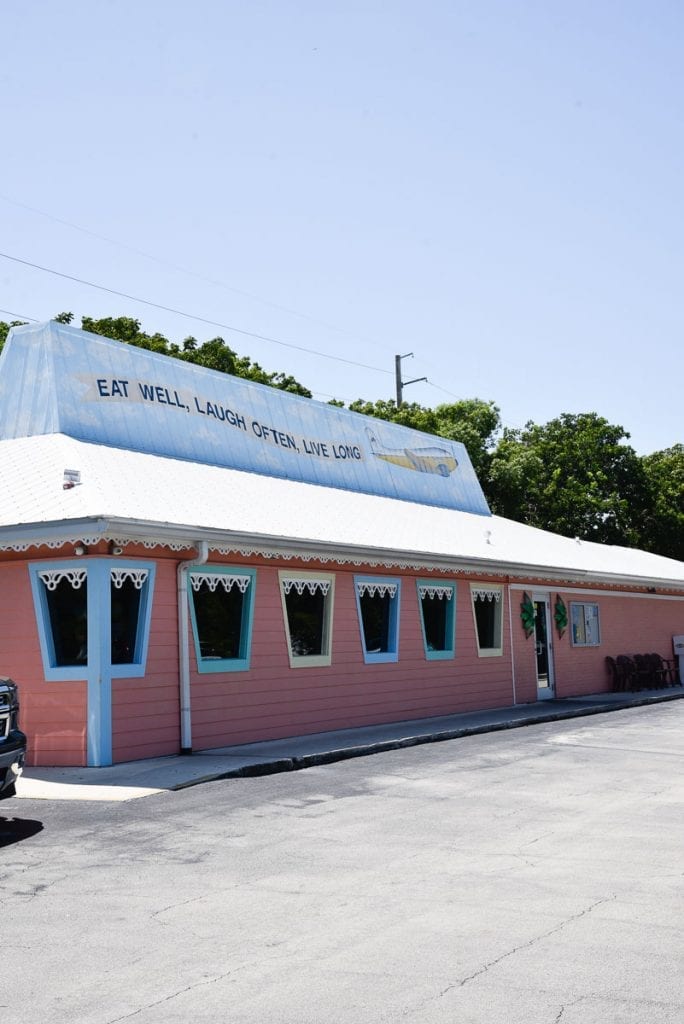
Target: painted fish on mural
(422, 460)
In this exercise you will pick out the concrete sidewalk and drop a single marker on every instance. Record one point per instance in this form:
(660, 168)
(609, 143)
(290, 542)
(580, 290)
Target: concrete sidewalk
(144, 778)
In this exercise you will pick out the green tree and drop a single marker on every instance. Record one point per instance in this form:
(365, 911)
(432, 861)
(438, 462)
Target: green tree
(663, 527)
(472, 421)
(214, 354)
(5, 329)
(572, 476)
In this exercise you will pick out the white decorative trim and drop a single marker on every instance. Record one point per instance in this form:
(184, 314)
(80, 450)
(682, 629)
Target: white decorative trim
(137, 577)
(306, 583)
(427, 590)
(227, 581)
(486, 593)
(53, 577)
(366, 587)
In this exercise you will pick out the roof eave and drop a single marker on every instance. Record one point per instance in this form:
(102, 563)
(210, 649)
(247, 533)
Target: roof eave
(183, 535)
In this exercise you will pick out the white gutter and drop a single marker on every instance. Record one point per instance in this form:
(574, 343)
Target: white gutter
(184, 646)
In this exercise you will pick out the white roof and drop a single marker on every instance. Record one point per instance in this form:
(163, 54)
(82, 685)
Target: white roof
(126, 494)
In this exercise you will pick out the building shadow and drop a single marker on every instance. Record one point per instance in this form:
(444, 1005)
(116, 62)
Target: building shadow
(14, 830)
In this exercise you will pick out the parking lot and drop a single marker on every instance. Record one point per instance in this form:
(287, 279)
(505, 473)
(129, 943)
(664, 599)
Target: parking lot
(529, 876)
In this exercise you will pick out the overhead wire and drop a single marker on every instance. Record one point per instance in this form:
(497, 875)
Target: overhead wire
(193, 316)
(180, 269)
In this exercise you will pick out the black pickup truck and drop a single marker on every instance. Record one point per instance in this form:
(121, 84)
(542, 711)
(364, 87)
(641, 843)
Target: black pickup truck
(12, 740)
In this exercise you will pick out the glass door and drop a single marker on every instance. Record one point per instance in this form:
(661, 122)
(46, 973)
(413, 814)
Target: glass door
(544, 647)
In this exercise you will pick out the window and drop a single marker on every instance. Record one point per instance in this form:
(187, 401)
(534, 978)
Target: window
(68, 598)
(66, 603)
(127, 599)
(307, 599)
(487, 605)
(437, 601)
(221, 607)
(584, 619)
(377, 601)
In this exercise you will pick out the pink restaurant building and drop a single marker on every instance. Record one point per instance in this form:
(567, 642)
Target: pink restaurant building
(189, 561)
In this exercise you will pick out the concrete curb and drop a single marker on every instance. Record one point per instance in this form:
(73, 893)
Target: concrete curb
(298, 763)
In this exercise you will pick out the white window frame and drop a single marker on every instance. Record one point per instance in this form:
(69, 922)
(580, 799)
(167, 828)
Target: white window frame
(325, 582)
(580, 608)
(489, 592)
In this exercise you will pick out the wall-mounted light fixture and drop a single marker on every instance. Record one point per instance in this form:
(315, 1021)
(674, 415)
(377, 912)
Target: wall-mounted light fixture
(114, 549)
(80, 549)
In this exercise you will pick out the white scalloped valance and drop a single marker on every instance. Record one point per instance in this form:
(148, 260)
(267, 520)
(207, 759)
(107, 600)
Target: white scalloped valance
(138, 577)
(366, 587)
(428, 590)
(53, 577)
(486, 593)
(228, 580)
(306, 583)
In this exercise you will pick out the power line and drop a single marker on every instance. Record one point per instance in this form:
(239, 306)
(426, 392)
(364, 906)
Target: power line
(180, 269)
(191, 316)
(19, 316)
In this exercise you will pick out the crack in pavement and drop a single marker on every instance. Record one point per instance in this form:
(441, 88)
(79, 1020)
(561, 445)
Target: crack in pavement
(528, 944)
(511, 952)
(174, 995)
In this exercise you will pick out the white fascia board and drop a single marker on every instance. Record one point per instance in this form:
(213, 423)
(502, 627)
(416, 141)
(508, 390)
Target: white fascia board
(137, 530)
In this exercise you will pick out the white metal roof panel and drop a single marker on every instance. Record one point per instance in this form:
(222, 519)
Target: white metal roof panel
(140, 488)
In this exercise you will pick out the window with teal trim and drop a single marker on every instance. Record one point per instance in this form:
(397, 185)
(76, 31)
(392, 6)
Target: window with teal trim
(222, 606)
(377, 602)
(437, 599)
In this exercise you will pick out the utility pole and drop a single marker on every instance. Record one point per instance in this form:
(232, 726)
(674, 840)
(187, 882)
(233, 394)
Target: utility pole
(401, 384)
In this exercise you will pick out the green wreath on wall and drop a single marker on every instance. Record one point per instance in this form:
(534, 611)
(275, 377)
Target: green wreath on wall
(560, 616)
(527, 614)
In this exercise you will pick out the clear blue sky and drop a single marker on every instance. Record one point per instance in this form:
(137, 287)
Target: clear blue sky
(493, 186)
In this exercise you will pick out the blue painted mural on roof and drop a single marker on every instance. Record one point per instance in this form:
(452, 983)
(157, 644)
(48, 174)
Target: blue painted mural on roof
(57, 379)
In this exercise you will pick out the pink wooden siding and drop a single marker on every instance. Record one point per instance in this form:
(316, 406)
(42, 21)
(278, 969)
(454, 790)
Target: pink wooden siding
(272, 700)
(146, 712)
(52, 714)
(628, 626)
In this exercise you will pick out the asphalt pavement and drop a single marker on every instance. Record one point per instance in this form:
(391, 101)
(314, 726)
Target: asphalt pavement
(135, 779)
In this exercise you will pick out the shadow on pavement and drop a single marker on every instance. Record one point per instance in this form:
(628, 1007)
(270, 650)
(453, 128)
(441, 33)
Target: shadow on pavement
(14, 830)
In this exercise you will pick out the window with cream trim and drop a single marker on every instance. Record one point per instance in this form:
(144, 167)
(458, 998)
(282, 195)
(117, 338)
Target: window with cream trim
(487, 601)
(307, 600)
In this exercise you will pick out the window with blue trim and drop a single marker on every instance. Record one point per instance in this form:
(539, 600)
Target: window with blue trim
(222, 608)
(377, 602)
(67, 595)
(437, 599)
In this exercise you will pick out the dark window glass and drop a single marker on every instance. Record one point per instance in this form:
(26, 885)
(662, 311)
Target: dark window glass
(219, 618)
(376, 610)
(306, 621)
(435, 622)
(487, 618)
(68, 613)
(125, 602)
